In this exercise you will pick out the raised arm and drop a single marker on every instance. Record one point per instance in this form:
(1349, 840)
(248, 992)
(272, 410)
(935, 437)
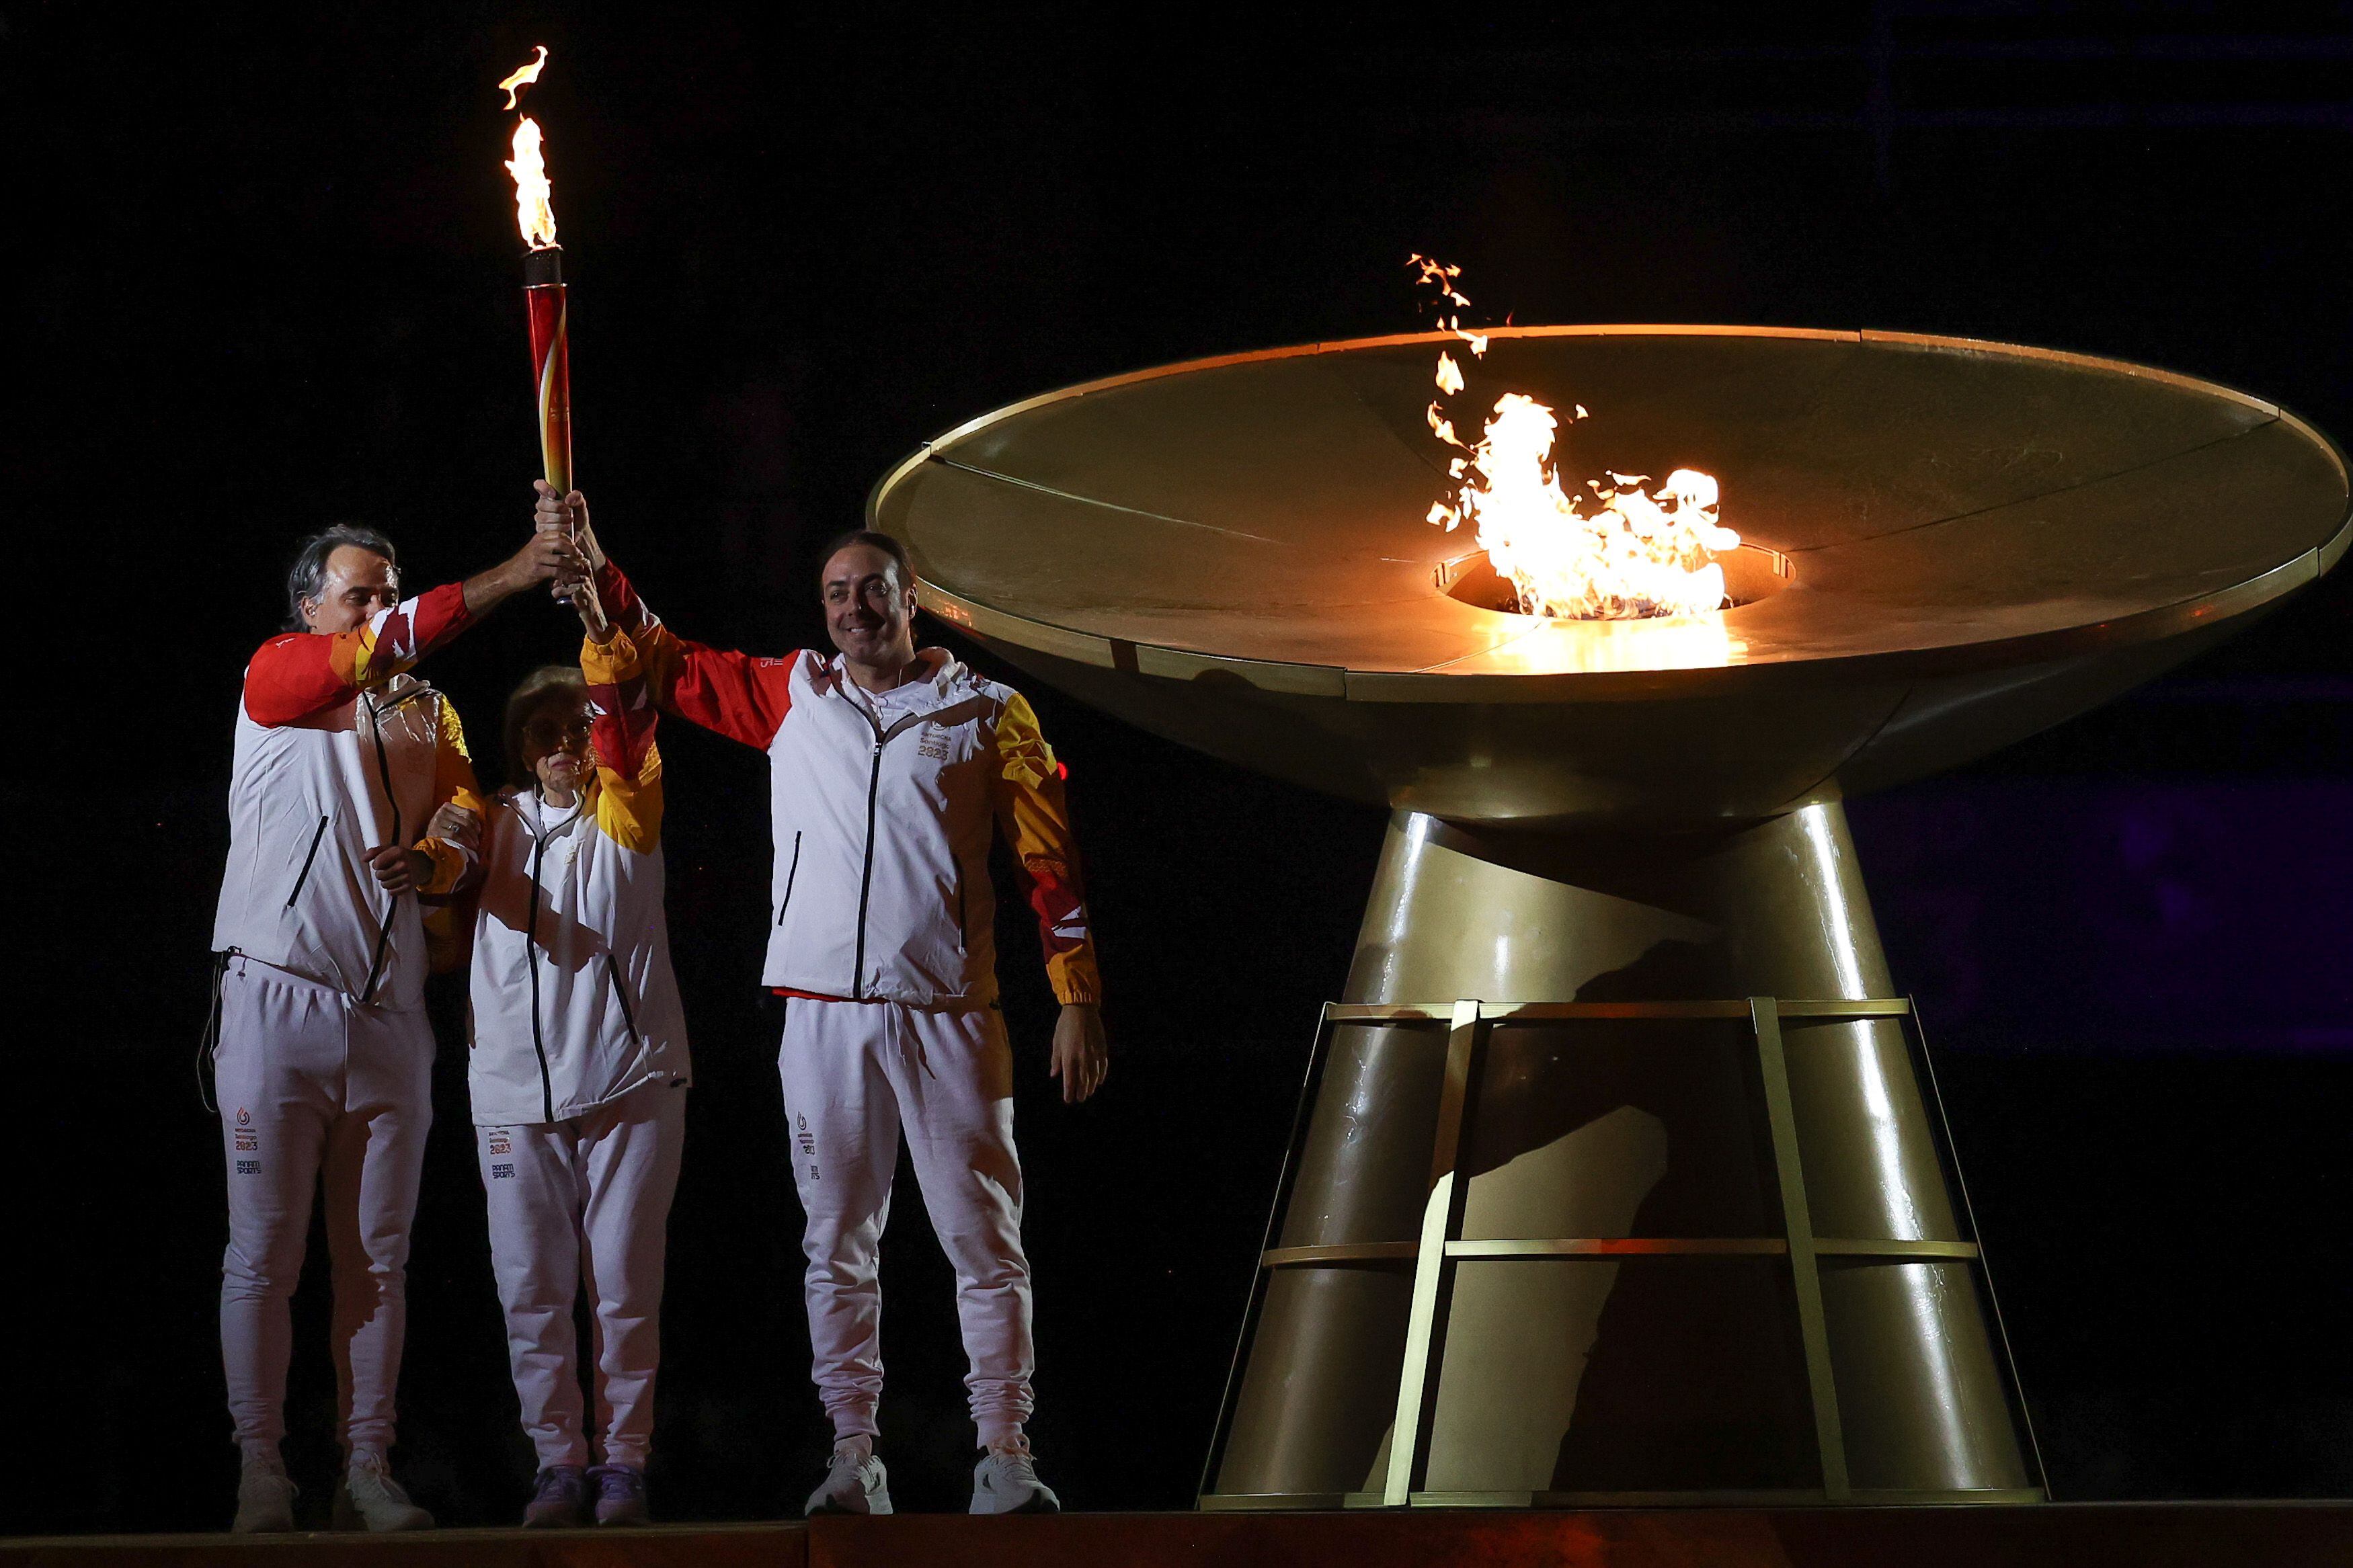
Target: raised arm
(628, 765)
(738, 695)
(298, 674)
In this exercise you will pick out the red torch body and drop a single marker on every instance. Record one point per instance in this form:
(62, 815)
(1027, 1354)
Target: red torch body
(551, 364)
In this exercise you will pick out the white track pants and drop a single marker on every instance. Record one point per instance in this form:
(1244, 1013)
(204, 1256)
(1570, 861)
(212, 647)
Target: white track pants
(313, 1088)
(857, 1075)
(575, 1204)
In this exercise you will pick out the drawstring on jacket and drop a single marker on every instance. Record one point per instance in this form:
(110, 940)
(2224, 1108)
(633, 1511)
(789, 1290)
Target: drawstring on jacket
(209, 1038)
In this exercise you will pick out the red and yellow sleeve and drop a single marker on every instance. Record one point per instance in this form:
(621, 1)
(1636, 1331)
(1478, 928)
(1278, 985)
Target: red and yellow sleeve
(1034, 815)
(453, 783)
(298, 674)
(737, 695)
(622, 724)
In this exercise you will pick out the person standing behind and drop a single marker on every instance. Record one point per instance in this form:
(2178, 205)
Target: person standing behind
(889, 769)
(579, 1067)
(321, 1058)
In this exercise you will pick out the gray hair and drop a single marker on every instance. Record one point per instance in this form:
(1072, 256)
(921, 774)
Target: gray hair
(308, 577)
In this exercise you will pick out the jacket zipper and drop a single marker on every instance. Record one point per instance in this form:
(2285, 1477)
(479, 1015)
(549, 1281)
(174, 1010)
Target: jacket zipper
(621, 994)
(540, 835)
(794, 871)
(392, 901)
(317, 835)
(866, 880)
(530, 954)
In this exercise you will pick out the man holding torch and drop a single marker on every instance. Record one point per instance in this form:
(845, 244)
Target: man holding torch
(888, 767)
(323, 1056)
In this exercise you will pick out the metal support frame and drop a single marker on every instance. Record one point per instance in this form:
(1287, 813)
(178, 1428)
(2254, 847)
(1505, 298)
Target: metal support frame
(1798, 1224)
(1470, 1023)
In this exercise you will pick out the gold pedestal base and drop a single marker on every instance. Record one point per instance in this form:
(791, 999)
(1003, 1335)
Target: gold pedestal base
(1616, 1181)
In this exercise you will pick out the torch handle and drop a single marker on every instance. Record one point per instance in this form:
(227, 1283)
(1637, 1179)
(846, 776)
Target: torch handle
(551, 364)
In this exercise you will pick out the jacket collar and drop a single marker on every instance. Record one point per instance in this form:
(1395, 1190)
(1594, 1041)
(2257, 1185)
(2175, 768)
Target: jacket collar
(945, 677)
(542, 821)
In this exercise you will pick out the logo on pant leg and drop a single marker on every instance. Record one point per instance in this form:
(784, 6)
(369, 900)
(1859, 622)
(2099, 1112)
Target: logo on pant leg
(501, 1141)
(248, 1167)
(502, 1173)
(244, 1117)
(808, 1140)
(248, 1143)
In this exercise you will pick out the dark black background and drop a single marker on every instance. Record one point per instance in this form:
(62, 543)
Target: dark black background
(264, 275)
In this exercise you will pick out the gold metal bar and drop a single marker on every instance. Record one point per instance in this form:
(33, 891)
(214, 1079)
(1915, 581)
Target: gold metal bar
(1310, 1081)
(1324, 1502)
(1980, 1495)
(1340, 1252)
(1607, 1248)
(1916, 1038)
(1388, 1012)
(1425, 1343)
(1553, 1012)
(1797, 1219)
(1271, 1502)
(1873, 1008)
(1726, 1497)
(1827, 1248)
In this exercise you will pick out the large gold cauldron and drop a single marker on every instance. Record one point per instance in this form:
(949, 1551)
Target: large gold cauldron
(1618, 1176)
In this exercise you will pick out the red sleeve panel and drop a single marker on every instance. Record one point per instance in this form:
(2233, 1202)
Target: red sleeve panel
(622, 605)
(297, 674)
(741, 696)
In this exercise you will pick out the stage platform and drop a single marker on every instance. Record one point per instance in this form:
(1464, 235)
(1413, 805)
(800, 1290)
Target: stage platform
(2062, 1535)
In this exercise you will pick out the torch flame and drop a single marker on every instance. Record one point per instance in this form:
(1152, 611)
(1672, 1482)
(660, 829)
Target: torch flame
(534, 213)
(523, 76)
(1637, 554)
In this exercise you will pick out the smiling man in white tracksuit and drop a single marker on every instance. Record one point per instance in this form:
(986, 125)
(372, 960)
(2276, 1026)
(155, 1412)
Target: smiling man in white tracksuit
(579, 1070)
(889, 770)
(323, 1059)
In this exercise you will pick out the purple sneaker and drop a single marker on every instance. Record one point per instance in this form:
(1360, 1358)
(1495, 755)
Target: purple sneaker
(559, 1499)
(620, 1494)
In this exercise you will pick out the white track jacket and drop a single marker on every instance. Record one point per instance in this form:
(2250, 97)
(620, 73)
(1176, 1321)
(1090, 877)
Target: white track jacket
(337, 751)
(573, 1003)
(879, 888)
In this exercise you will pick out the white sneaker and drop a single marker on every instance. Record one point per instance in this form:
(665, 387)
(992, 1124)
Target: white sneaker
(1006, 1481)
(265, 1500)
(855, 1483)
(370, 1498)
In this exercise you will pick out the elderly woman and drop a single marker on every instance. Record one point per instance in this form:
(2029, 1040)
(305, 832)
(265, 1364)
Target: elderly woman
(579, 1066)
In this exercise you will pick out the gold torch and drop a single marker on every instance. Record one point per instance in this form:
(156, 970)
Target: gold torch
(543, 278)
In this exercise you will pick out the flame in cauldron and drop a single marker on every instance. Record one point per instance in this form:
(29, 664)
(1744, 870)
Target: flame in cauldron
(1621, 553)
